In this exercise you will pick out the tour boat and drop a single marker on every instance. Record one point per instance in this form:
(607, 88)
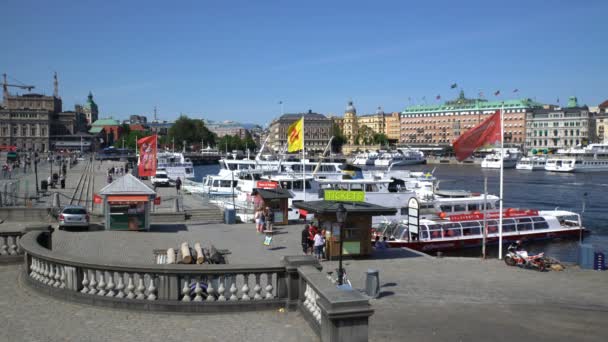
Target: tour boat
(531, 163)
(592, 158)
(492, 161)
(365, 159)
(399, 158)
(459, 231)
(175, 164)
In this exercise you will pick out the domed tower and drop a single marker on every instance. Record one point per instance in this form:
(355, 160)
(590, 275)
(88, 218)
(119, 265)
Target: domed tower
(350, 123)
(90, 109)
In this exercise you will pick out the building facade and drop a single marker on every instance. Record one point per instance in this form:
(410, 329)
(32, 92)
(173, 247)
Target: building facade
(555, 128)
(392, 127)
(350, 124)
(601, 123)
(27, 121)
(90, 109)
(317, 131)
(226, 128)
(376, 122)
(442, 124)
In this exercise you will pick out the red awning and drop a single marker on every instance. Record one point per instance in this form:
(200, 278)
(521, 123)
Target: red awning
(128, 198)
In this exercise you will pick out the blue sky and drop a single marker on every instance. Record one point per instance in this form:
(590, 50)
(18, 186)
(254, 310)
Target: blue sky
(237, 59)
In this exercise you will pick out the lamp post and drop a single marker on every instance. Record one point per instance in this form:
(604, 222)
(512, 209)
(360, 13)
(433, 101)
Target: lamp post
(341, 219)
(36, 170)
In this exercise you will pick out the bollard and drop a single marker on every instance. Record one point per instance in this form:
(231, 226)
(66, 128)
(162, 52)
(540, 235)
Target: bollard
(56, 203)
(372, 283)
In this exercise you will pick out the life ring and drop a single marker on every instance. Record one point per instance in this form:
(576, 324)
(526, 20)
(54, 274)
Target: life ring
(442, 215)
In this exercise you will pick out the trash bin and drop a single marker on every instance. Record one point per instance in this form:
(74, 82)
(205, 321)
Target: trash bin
(44, 185)
(230, 216)
(372, 283)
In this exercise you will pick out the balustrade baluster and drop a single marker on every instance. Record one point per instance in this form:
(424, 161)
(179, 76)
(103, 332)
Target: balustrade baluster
(140, 288)
(93, 282)
(57, 281)
(245, 288)
(151, 289)
(4, 245)
(19, 249)
(186, 290)
(101, 285)
(210, 289)
(110, 286)
(257, 288)
(233, 290)
(198, 290)
(33, 270)
(130, 287)
(221, 289)
(269, 288)
(51, 275)
(62, 278)
(120, 286)
(85, 281)
(13, 246)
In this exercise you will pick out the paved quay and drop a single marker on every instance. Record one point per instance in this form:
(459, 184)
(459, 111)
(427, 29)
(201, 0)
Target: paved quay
(30, 316)
(422, 298)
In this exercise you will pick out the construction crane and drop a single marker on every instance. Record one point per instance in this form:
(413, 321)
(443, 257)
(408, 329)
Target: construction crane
(5, 86)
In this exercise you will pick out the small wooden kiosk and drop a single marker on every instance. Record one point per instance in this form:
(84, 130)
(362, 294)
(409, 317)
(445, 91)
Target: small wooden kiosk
(277, 200)
(357, 228)
(126, 204)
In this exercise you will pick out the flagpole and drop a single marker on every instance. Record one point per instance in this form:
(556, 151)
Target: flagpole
(502, 158)
(303, 165)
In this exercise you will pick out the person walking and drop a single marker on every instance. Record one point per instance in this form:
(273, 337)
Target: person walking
(269, 216)
(319, 243)
(258, 220)
(305, 239)
(178, 184)
(62, 181)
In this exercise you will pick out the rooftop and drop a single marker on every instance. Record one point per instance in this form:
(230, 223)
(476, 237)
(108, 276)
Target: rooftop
(328, 207)
(106, 122)
(272, 193)
(127, 184)
(463, 103)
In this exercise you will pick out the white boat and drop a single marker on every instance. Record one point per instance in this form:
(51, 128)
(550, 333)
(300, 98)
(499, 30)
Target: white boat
(400, 157)
(511, 157)
(175, 164)
(365, 159)
(458, 231)
(531, 163)
(593, 158)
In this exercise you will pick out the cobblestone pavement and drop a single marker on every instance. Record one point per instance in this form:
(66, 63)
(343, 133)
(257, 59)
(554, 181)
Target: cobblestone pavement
(30, 316)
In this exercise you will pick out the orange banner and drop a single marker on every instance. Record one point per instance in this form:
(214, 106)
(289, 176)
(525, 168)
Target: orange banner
(147, 156)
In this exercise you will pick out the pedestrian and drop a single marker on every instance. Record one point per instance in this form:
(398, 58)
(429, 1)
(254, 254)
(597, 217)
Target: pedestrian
(312, 231)
(262, 221)
(178, 184)
(258, 220)
(9, 170)
(305, 239)
(49, 182)
(269, 216)
(319, 242)
(325, 237)
(62, 181)
(109, 179)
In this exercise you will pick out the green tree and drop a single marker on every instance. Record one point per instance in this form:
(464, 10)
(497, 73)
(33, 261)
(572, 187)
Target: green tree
(339, 139)
(380, 138)
(365, 135)
(192, 131)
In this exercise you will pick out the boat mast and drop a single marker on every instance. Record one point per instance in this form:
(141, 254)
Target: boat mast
(502, 159)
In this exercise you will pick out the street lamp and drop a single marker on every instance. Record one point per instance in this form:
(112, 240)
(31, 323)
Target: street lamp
(36, 170)
(341, 218)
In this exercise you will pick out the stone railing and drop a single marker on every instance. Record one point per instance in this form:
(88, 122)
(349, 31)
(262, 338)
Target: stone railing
(10, 250)
(296, 283)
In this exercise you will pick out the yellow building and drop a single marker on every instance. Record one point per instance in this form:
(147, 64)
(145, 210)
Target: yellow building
(392, 126)
(350, 126)
(374, 121)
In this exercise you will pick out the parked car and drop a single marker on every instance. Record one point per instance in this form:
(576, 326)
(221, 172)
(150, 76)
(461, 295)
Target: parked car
(73, 216)
(160, 178)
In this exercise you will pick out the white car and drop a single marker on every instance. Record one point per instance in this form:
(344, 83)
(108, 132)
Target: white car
(160, 178)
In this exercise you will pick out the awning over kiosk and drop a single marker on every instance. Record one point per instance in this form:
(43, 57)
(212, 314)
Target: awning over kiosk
(128, 198)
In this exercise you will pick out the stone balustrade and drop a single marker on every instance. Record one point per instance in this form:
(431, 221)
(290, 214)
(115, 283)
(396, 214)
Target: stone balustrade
(296, 283)
(10, 250)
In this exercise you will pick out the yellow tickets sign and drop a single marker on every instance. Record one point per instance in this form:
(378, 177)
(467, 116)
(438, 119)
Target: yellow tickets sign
(344, 195)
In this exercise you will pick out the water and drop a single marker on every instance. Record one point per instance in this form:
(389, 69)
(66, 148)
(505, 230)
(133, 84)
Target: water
(527, 189)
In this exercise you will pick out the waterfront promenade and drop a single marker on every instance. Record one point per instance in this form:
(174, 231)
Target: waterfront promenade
(422, 298)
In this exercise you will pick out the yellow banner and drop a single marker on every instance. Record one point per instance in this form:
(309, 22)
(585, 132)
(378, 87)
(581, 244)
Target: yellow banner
(344, 195)
(295, 136)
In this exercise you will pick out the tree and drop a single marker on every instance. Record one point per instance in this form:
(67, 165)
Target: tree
(380, 139)
(192, 131)
(339, 139)
(365, 136)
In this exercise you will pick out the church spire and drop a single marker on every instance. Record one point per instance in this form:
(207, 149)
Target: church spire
(55, 86)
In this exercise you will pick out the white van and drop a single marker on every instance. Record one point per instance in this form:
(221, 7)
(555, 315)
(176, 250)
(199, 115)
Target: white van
(160, 178)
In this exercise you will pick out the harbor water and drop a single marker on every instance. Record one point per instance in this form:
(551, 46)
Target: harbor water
(526, 189)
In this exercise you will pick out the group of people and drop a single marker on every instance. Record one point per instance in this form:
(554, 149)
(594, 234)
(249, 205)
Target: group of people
(7, 171)
(313, 241)
(115, 171)
(264, 218)
(381, 244)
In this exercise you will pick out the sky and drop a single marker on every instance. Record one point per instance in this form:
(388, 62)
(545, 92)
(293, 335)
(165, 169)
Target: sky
(236, 60)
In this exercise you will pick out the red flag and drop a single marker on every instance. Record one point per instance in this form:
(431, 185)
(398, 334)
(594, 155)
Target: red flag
(487, 132)
(147, 156)
(497, 93)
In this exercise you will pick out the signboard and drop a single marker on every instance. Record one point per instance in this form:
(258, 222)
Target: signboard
(509, 213)
(266, 185)
(413, 215)
(97, 199)
(157, 200)
(344, 195)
